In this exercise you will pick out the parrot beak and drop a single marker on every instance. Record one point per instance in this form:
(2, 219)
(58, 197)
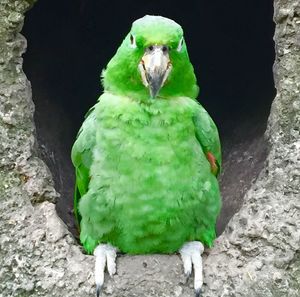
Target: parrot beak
(155, 67)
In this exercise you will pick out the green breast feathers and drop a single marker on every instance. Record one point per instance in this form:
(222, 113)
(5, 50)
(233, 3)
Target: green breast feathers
(142, 170)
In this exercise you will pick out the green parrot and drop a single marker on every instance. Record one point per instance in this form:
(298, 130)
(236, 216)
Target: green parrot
(147, 156)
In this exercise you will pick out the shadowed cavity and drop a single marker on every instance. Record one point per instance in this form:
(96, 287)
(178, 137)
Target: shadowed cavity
(231, 48)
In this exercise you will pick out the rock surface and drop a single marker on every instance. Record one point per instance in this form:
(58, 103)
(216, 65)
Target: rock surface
(257, 255)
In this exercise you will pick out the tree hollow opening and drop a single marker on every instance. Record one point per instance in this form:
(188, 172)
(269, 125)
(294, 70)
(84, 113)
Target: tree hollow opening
(230, 45)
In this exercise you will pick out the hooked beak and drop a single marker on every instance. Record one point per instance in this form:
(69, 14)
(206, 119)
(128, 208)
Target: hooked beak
(155, 67)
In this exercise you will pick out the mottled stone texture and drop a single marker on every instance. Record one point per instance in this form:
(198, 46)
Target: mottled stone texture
(258, 254)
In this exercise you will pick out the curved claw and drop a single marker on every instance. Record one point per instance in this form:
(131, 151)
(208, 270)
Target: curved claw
(98, 290)
(198, 293)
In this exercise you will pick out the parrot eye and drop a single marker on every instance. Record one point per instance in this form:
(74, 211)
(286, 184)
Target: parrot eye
(132, 41)
(180, 44)
(165, 48)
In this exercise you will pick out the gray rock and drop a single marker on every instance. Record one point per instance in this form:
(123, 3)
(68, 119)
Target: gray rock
(257, 255)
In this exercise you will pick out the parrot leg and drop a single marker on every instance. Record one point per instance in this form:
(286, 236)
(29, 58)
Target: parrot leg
(105, 256)
(191, 256)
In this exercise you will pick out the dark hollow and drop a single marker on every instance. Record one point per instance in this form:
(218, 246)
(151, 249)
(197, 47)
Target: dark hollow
(230, 45)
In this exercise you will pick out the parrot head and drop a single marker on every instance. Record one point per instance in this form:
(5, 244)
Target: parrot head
(152, 62)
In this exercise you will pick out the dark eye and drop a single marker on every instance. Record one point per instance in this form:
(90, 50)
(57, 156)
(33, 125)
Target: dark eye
(132, 41)
(165, 48)
(150, 48)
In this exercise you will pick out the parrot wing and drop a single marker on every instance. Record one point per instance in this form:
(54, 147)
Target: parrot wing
(208, 137)
(82, 157)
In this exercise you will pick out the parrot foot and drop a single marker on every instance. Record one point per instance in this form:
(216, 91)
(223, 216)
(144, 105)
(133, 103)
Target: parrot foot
(191, 256)
(105, 256)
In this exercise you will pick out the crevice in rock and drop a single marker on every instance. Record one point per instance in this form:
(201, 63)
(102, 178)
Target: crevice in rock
(231, 48)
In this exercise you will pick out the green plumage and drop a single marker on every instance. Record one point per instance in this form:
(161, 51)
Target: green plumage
(143, 182)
